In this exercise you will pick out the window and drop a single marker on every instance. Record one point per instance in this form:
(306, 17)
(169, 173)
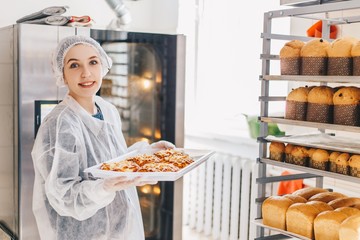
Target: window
(223, 64)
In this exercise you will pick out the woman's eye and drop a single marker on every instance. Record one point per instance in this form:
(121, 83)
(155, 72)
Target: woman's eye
(74, 65)
(93, 62)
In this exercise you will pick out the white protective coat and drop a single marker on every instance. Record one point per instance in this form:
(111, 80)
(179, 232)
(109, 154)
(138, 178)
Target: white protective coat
(67, 203)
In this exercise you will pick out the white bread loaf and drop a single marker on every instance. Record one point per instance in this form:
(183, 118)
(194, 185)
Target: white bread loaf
(300, 219)
(344, 202)
(326, 196)
(327, 225)
(275, 206)
(349, 211)
(350, 228)
(309, 192)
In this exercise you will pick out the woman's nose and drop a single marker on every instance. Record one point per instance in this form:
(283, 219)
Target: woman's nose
(85, 72)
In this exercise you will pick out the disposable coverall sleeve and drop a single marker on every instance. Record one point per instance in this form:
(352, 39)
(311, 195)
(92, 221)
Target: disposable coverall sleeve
(67, 192)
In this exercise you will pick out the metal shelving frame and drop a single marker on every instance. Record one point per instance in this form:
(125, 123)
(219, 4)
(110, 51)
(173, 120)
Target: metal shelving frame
(308, 12)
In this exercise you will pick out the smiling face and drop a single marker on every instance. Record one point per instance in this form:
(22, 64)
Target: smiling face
(82, 72)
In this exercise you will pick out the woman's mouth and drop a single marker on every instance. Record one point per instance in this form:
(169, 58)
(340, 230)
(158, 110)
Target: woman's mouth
(87, 84)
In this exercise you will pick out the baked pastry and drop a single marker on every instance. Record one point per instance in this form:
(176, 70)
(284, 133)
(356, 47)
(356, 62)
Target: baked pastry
(347, 106)
(320, 105)
(290, 57)
(277, 151)
(326, 196)
(344, 202)
(327, 225)
(300, 219)
(299, 156)
(342, 163)
(319, 159)
(288, 148)
(355, 54)
(143, 159)
(158, 167)
(332, 161)
(311, 152)
(339, 57)
(309, 192)
(314, 57)
(354, 165)
(275, 206)
(350, 228)
(121, 166)
(296, 103)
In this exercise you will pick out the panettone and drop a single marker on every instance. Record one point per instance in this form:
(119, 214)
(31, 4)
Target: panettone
(347, 106)
(277, 151)
(319, 159)
(320, 105)
(342, 163)
(340, 62)
(288, 148)
(311, 152)
(290, 57)
(299, 156)
(355, 53)
(354, 165)
(296, 103)
(332, 161)
(314, 57)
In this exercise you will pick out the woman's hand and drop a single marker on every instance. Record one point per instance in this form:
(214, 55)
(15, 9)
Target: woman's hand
(162, 145)
(122, 182)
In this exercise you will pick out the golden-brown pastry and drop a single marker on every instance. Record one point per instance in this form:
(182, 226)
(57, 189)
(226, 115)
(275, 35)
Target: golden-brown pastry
(300, 219)
(309, 192)
(158, 167)
(315, 48)
(332, 161)
(327, 225)
(275, 206)
(350, 228)
(296, 103)
(347, 106)
(342, 163)
(121, 166)
(277, 151)
(288, 148)
(320, 159)
(321, 206)
(314, 57)
(354, 165)
(341, 47)
(299, 156)
(311, 152)
(290, 57)
(355, 53)
(320, 104)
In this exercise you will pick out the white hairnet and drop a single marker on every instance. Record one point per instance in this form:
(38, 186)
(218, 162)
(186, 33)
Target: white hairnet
(65, 45)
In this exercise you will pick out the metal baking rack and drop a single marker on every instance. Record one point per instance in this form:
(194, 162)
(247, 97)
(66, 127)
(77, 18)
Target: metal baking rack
(312, 11)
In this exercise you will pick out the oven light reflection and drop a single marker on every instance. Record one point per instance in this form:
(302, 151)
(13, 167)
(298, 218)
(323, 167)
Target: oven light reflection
(150, 189)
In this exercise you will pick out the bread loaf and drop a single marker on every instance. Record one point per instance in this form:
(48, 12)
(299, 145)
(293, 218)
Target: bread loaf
(321, 206)
(327, 225)
(349, 211)
(275, 206)
(309, 192)
(296, 198)
(300, 219)
(344, 202)
(350, 228)
(326, 196)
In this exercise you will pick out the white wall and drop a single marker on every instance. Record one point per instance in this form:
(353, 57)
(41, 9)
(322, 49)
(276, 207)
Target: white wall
(148, 15)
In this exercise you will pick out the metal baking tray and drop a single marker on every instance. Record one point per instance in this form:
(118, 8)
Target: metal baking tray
(301, 3)
(259, 223)
(198, 155)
